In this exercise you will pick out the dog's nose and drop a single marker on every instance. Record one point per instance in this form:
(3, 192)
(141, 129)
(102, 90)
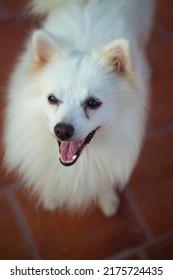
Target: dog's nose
(64, 131)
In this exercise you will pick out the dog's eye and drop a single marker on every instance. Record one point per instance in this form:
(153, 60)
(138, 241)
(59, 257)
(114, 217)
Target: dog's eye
(52, 99)
(93, 103)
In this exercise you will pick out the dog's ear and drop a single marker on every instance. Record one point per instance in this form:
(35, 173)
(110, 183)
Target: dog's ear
(43, 47)
(116, 54)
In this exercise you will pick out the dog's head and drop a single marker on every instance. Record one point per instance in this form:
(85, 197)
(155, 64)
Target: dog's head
(81, 93)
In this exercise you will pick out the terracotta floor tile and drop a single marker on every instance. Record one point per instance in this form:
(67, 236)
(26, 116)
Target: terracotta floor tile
(152, 182)
(161, 57)
(13, 33)
(92, 236)
(14, 6)
(164, 14)
(162, 250)
(11, 241)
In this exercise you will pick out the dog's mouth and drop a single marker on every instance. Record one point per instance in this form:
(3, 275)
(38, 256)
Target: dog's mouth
(70, 151)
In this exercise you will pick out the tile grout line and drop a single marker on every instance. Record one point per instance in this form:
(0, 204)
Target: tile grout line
(23, 224)
(163, 32)
(6, 187)
(141, 220)
(139, 250)
(138, 214)
(165, 36)
(9, 186)
(3, 12)
(156, 131)
(143, 255)
(128, 253)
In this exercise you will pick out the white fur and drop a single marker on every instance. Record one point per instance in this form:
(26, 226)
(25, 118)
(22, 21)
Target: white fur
(75, 35)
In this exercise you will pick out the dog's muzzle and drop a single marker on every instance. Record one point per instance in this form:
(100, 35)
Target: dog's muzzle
(70, 151)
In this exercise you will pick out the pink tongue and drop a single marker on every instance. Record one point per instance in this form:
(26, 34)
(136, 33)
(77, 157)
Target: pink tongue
(69, 149)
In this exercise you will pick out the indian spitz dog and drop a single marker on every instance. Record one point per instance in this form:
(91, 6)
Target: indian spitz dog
(77, 102)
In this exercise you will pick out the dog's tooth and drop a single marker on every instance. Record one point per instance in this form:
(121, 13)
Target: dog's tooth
(74, 157)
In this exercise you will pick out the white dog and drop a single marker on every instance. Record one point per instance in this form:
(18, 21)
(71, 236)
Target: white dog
(77, 101)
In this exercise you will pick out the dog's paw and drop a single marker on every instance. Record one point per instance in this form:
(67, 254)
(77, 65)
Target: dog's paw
(50, 205)
(109, 204)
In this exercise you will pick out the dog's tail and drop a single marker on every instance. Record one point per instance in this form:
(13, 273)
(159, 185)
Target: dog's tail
(41, 7)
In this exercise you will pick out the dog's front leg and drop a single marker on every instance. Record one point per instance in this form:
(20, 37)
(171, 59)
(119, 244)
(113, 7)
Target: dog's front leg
(109, 202)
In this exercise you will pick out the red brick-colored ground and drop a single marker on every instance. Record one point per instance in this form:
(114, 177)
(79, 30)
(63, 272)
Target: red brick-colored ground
(143, 227)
